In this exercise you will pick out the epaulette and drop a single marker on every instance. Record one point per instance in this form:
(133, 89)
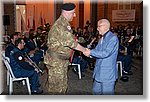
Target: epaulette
(11, 52)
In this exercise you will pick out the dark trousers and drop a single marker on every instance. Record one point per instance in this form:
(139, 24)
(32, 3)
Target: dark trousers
(33, 77)
(126, 60)
(81, 61)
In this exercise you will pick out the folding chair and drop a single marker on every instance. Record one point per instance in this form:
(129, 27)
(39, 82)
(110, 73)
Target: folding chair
(73, 64)
(119, 63)
(3, 58)
(79, 69)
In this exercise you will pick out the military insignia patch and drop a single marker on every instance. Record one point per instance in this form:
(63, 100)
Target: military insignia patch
(20, 58)
(68, 27)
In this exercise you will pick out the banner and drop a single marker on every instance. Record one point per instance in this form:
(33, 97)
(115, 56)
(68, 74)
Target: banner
(123, 15)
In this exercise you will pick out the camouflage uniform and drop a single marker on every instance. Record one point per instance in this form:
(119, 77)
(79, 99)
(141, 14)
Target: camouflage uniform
(60, 40)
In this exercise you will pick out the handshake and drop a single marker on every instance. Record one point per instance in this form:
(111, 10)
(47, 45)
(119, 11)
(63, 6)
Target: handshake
(86, 52)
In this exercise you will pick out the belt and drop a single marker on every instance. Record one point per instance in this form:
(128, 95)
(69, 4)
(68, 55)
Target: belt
(58, 55)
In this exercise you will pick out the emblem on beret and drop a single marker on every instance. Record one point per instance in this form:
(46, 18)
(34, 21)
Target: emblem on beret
(20, 58)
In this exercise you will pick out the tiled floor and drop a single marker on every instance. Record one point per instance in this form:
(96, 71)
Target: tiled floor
(84, 86)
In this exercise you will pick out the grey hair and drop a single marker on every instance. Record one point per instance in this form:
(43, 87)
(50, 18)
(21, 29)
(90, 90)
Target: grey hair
(105, 21)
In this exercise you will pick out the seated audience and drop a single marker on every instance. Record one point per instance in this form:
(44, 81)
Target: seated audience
(30, 48)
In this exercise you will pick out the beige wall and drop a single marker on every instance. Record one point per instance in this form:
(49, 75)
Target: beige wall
(45, 9)
(86, 11)
(50, 14)
(40, 9)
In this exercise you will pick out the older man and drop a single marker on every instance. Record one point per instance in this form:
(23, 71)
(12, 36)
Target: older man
(60, 44)
(105, 73)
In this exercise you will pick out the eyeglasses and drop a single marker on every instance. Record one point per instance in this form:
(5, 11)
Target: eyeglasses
(72, 12)
(100, 25)
(23, 43)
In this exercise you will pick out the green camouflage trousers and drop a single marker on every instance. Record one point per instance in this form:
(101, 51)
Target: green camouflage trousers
(57, 76)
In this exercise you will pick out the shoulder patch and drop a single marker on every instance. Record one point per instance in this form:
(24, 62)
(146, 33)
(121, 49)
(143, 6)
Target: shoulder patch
(69, 28)
(20, 58)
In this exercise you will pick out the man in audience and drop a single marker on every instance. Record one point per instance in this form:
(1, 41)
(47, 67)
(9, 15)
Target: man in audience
(126, 60)
(22, 67)
(30, 48)
(11, 45)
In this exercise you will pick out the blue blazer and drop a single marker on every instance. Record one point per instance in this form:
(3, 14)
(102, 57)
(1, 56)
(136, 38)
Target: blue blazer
(106, 56)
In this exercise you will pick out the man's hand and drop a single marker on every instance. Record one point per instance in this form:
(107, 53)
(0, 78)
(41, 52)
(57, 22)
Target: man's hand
(36, 70)
(31, 52)
(87, 52)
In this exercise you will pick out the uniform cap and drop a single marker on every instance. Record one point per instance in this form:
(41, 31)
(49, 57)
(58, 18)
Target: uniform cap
(68, 6)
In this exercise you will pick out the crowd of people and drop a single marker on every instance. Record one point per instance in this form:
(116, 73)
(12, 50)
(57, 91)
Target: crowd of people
(91, 49)
(26, 50)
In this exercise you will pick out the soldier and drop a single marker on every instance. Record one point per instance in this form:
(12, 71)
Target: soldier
(60, 43)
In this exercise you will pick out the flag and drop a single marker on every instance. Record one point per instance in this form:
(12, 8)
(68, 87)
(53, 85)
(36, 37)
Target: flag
(21, 25)
(28, 23)
(44, 21)
(41, 21)
(33, 27)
